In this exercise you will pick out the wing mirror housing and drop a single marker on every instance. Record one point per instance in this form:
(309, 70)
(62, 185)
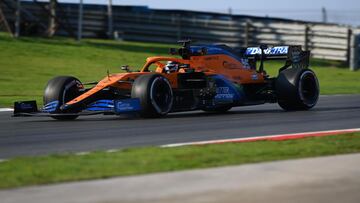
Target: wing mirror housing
(126, 68)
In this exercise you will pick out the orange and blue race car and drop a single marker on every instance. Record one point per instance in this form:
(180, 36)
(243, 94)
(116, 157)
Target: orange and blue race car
(201, 77)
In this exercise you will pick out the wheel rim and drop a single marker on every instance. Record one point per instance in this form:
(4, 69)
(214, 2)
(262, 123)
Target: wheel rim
(308, 88)
(161, 95)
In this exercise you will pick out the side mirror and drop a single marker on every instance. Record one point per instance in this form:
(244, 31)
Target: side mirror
(125, 68)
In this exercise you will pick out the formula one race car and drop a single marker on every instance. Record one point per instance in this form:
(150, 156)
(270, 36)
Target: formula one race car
(212, 78)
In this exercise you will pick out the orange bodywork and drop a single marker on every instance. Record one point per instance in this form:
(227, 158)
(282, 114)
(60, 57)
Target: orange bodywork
(222, 64)
(212, 64)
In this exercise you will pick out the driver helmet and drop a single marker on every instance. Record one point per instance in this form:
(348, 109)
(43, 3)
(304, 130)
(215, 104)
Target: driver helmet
(171, 66)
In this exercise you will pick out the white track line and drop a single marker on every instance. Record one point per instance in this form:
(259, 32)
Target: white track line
(267, 137)
(82, 153)
(6, 109)
(112, 150)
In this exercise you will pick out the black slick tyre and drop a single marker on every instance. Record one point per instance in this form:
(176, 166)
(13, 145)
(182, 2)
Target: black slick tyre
(62, 89)
(155, 94)
(297, 89)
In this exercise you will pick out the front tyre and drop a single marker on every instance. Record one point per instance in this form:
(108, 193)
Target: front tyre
(62, 89)
(155, 94)
(297, 89)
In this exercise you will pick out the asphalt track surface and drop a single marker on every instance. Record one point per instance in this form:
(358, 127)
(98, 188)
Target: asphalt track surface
(40, 135)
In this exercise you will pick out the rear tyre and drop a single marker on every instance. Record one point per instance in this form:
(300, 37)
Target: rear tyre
(297, 89)
(155, 94)
(62, 89)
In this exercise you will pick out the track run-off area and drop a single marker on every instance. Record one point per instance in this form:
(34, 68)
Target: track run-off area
(41, 135)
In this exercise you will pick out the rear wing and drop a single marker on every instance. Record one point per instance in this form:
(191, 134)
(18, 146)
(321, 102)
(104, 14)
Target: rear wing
(293, 55)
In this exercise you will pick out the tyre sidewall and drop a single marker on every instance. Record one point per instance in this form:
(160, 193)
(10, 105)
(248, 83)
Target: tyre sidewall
(308, 102)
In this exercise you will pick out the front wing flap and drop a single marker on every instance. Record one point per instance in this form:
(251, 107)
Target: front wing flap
(106, 107)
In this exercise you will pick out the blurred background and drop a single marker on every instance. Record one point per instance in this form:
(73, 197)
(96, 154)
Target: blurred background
(332, 11)
(328, 28)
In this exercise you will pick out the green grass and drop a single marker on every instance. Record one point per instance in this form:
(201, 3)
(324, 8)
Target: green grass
(28, 63)
(59, 168)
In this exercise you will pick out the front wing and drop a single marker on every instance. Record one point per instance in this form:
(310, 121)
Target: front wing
(107, 107)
